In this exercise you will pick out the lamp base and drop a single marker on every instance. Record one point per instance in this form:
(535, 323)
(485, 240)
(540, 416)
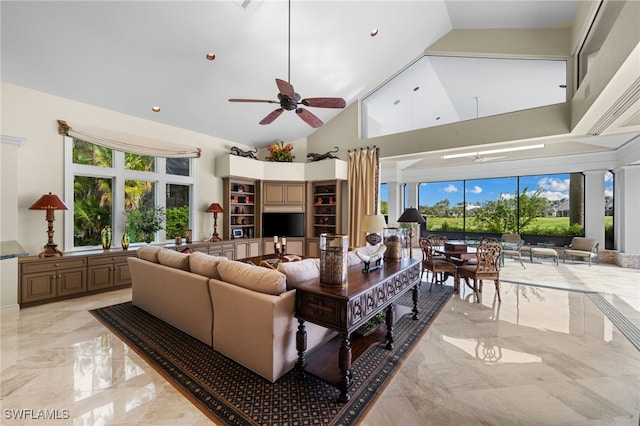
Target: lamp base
(50, 250)
(215, 238)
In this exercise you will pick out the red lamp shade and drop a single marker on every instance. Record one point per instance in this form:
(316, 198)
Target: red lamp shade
(50, 203)
(214, 208)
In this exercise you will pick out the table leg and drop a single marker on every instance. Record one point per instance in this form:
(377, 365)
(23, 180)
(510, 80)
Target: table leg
(344, 361)
(416, 298)
(301, 346)
(391, 319)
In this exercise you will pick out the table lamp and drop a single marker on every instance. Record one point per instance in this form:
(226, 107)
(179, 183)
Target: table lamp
(215, 208)
(411, 215)
(373, 224)
(50, 203)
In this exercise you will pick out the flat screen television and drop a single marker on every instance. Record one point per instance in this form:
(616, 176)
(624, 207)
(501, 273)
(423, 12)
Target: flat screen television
(283, 224)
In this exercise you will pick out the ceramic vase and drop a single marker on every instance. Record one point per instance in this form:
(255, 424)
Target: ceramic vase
(125, 241)
(105, 237)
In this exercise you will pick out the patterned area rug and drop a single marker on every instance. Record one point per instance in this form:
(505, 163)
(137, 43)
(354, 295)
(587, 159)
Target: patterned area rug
(230, 394)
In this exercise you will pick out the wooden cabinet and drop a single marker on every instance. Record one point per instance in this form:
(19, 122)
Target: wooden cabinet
(46, 279)
(325, 208)
(285, 193)
(294, 246)
(108, 271)
(247, 248)
(240, 217)
(223, 248)
(312, 247)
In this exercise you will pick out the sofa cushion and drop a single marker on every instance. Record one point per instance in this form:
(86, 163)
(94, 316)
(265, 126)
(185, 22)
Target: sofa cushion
(205, 265)
(303, 270)
(173, 259)
(148, 253)
(263, 280)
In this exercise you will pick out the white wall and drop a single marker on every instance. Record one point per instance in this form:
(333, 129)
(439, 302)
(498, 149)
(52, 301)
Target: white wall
(33, 115)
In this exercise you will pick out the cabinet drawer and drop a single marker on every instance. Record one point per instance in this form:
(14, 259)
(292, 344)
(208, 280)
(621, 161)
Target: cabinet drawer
(57, 264)
(115, 258)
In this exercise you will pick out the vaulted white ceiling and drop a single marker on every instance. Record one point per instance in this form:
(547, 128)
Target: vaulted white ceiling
(130, 56)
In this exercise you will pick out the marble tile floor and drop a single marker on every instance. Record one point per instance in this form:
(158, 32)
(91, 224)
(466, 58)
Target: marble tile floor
(546, 355)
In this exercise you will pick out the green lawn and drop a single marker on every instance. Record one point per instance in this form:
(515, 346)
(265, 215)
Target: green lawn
(540, 225)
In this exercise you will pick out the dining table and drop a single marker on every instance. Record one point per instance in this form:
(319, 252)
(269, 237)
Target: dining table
(458, 253)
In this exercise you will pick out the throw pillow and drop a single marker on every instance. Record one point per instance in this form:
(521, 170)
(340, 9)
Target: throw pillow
(304, 270)
(205, 265)
(173, 259)
(263, 280)
(148, 253)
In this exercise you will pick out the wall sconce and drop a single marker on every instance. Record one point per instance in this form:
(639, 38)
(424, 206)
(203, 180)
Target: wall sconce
(50, 203)
(215, 208)
(411, 215)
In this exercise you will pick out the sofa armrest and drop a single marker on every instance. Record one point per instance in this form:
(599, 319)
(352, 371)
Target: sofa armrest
(258, 330)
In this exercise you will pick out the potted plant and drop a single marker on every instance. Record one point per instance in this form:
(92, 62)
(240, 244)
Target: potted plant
(143, 223)
(280, 152)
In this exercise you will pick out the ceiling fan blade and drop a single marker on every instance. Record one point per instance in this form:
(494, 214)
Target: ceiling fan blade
(309, 118)
(324, 102)
(254, 100)
(272, 116)
(285, 88)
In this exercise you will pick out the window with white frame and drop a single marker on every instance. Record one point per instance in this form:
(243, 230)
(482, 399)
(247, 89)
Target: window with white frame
(103, 187)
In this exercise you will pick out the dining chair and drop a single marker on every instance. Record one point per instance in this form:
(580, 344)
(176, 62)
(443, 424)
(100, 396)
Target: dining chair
(486, 268)
(430, 262)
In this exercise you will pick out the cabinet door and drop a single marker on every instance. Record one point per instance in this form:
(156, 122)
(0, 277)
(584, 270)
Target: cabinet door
(37, 286)
(121, 274)
(254, 248)
(229, 252)
(100, 276)
(295, 247)
(242, 250)
(313, 247)
(71, 281)
(294, 193)
(274, 193)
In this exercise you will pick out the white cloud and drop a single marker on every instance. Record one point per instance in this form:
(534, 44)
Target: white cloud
(554, 195)
(476, 190)
(450, 188)
(507, 196)
(555, 185)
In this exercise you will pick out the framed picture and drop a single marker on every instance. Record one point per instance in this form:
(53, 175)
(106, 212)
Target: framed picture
(237, 233)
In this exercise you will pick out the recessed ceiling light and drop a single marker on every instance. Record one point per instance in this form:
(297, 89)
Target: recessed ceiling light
(374, 32)
(211, 56)
(396, 102)
(155, 108)
(415, 89)
(437, 118)
(563, 86)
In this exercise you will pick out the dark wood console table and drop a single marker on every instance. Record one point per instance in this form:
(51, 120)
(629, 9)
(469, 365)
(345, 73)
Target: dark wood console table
(345, 310)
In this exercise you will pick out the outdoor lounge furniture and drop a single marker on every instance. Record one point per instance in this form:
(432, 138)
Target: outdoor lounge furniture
(583, 248)
(544, 251)
(512, 246)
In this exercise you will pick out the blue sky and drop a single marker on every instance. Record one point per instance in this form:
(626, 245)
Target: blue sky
(554, 187)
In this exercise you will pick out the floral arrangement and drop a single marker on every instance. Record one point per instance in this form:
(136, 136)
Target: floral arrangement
(280, 152)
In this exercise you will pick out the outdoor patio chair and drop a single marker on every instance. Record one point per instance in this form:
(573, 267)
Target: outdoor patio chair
(512, 246)
(583, 248)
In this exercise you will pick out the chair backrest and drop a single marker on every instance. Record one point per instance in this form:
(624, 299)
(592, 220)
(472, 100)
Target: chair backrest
(488, 256)
(437, 240)
(485, 240)
(511, 238)
(586, 244)
(428, 250)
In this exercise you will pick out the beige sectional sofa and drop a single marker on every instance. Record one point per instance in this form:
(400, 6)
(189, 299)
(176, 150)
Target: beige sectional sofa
(243, 311)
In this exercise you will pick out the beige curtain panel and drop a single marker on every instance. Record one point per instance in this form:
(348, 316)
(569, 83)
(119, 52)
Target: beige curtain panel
(126, 142)
(363, 190)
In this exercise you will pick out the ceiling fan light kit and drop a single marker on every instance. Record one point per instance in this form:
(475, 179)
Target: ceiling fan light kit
(289, 100)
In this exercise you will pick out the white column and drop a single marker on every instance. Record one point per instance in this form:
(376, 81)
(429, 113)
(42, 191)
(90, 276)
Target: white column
(395, 206)
(626, 201)
(412, 195)
(594, 205)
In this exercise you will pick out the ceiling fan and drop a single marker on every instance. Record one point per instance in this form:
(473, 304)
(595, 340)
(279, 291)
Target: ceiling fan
(478, 159)
(289, 99)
